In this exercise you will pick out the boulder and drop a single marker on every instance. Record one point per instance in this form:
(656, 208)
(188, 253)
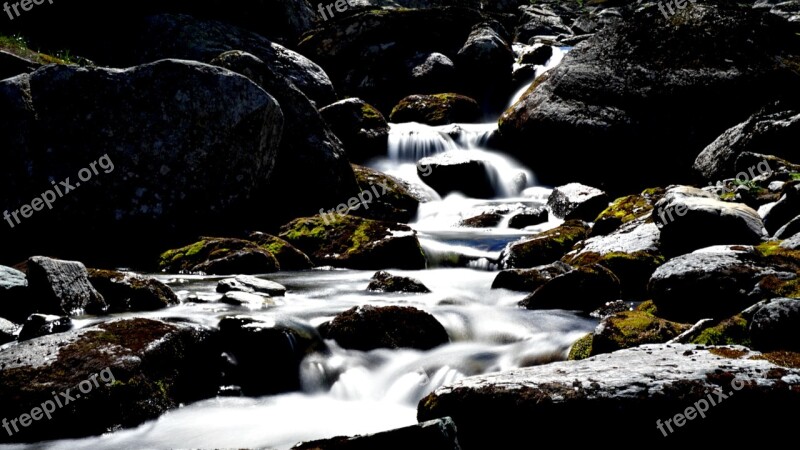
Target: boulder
(537, 55)
(134, 369)
(362, 129)
(690, 219)
(488, 59)
(219, 256)
(528, 280)
(585, 288)
(368, 327)
(182, 167)
(62, 288)
(356, 243)
(528, 218)
(439, 434)
(246, 283)
(771, 129)
(632, 329)
(307, 147)
(126, 291)
(385, 282)
(438, 109)
(644, 386)
(576, 201)
(545, 247)
(38, 325)
(461, 171)
(622, 211)
(638, 86)
(288, 256)
(539, 20)
(774, 325)
(265, 354)
(398, 200)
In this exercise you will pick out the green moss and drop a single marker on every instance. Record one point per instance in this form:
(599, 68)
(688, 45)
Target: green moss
(633, 328)
(732, 331)
(582, 348)
(626, 209)
(547, 246)
(728, 196)
(369, 113)
(653, 192)
(648, 306)
(18, 45)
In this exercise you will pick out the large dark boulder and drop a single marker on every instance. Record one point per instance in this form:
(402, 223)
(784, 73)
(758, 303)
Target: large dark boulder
(774, 325)
(664, 87)
(62, 287)
(119, 374)
(362, 129)
(369, 327)
(152, 152)
(643, 386)
(127, 291)
(437, 109)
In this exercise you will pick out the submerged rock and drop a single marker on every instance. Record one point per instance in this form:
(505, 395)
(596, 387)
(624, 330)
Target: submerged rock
(644, 386)
(368, 327)
(385, 282)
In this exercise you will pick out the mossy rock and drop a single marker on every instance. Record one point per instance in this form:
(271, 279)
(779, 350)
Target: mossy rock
(647, 306)
(632, 329)
(289, 257)
(776, 254)
(399, 203)
(355, 242)
(544, 247)
(125, 292)
(437, 109)
(732, 331)
(582, 348)
(632, 269)
(219, 256)
(621, 211)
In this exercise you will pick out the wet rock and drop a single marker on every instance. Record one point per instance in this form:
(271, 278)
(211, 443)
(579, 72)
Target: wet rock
(774, 325)
(439, 109)
(439, 434)
(361, 128)
(137, 369)
(246, 283)
(459, 172)
(62, 287)
(265, 354)
(641, 385)
(161, 169)
(793, 243)
(538, 21)
(528, 218)
(39, 325)
(711, 283)
(488, 59)
(537, 55)
(131, 292)
(584, 288)
(430, 72)
(308, 147)
(632, 329)
(611, 308)
(731, 331)
(771, 129)
(528, 280)
(12, 65)
(368, 327)
(247, 299)
(787, 209)
(13, 290)
(398, 200)
(545, 247)
(385, 282)
(611, 93)
(356, 243)
(8, 331)
(576, 201)
(219, 256)
(485, 220)
(288, 256)
(690, 219)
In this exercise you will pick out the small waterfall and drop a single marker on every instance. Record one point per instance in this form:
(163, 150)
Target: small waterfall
(410, 142)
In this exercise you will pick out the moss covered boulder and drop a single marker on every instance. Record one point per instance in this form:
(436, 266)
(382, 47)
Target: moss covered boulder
(621, 211)
(731, 331)
(356, 243)
(119, 374)
(544, 247)
(632, 329)
(581, 349)
(437, 109)
(130, 292)
(361, 128)
(398, 200)
(219, 256)
(289, 257)
(369, 327)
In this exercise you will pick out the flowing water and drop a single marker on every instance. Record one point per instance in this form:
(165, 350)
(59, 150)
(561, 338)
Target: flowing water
(378, 390)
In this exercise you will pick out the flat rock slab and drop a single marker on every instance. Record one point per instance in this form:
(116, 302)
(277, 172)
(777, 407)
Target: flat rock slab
(626, 392)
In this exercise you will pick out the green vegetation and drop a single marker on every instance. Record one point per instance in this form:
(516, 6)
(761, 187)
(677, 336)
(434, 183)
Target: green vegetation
(18, 45)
